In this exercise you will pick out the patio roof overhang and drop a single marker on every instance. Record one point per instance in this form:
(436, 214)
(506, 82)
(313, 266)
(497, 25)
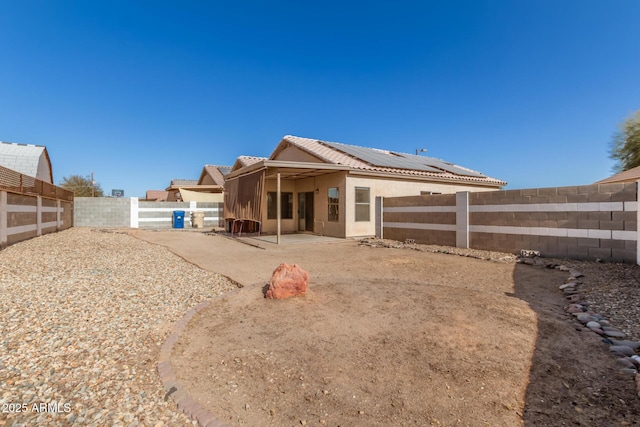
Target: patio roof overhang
(289, 170)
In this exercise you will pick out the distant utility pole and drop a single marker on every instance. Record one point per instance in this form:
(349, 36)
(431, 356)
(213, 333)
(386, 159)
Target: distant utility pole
(93, 186)
(422, 150)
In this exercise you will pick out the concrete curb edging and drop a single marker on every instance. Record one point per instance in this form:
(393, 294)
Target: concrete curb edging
(178, 393)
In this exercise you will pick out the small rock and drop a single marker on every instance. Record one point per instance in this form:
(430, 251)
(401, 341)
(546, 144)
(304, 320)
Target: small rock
(626, 362)
(586, 318)
(634, 345)
(593, 325)
(566, 286)
(528, 253)
(574, 310)
(629, 371)
(622, 349)
(614, 333)
(597, 331)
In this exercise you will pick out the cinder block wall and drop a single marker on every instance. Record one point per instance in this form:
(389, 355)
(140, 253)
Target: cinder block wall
(426, 219)
(160, 214)
(116, 213)
(24, 216)
(102, 212)
(215, 216)
(584, 222)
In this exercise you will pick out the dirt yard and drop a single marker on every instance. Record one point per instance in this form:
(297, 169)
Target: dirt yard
(392, 337)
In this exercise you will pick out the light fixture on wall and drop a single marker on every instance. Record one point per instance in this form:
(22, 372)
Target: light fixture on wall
(317, 191)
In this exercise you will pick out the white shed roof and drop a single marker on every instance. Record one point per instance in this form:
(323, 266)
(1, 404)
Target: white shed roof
(31, 160)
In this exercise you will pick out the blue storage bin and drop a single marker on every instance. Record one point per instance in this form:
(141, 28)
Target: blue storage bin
(178, 219)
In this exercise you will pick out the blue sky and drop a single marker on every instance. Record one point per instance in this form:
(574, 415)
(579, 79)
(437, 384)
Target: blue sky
(142, 92)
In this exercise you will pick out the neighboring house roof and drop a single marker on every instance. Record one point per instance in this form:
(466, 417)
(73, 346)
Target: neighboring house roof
(243, 161)
(213, 175)
(31, 160)
(178, 182)
(384, 161)
(630, 175)
(157, 195)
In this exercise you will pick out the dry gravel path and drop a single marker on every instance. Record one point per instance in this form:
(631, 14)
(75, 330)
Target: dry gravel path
(82, 316)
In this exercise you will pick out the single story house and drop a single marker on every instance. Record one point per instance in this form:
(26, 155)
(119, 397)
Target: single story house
(330, 188)
(208, 188)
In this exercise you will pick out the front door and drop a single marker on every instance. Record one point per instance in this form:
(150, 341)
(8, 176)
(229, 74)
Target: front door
(305, 211)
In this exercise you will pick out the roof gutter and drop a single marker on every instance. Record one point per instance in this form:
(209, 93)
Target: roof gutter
(246, 170)
(495, 184)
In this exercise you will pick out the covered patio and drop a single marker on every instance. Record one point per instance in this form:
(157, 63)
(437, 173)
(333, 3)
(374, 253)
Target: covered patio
(247, 198)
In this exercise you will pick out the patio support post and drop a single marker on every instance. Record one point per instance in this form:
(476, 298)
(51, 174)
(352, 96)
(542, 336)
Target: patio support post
(278, 208)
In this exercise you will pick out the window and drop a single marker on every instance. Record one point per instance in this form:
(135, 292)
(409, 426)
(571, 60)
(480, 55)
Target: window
(334, 201)
(286, 205)
(362, 204)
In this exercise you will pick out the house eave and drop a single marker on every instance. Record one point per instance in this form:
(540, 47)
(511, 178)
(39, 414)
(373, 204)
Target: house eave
(429, 178)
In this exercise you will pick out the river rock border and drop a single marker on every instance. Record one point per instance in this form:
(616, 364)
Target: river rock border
(624, 350)
(174, 389)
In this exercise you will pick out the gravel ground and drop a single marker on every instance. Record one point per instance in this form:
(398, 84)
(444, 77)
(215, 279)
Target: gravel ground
(612, 290)
(82, 316)
(84, 312)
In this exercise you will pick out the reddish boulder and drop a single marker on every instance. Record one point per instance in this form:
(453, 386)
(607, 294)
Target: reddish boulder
(288, 280)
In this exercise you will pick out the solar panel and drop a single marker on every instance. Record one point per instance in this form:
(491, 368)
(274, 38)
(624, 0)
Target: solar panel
(401, 160)
(224, 170)
(446, 166)
(381, 158)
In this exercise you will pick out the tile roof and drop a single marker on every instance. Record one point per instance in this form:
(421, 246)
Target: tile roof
(31, 160)
(177, 182)
(626, 176)
(217, 173)
(244, 161)
(330, 152)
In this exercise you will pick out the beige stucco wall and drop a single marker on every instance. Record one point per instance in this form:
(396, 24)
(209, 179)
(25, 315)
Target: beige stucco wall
(320, 204)
(388, 188)
(347, 226)
(346, 184)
